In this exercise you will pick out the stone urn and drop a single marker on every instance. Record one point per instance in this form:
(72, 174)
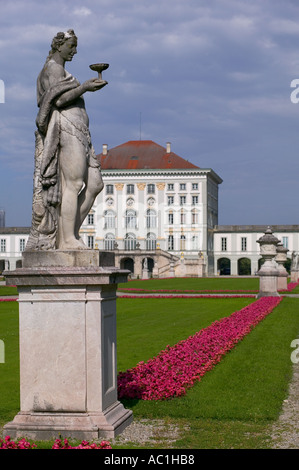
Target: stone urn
(268, 273)
(281, 257)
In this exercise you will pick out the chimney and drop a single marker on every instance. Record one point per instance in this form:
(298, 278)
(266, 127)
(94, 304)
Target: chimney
(168, 149)
(105, 149)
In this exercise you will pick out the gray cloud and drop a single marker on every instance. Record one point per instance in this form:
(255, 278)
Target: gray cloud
(212, 77)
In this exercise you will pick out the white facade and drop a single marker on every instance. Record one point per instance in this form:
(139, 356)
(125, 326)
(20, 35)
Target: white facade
(236, 242)
(12, 243)
(174, 210)
(231, 243)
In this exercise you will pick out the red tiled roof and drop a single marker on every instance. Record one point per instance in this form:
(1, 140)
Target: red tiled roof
(141, 154)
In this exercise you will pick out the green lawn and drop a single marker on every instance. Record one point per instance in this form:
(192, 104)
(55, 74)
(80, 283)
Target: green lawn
(146, 326)
(242, 395)
(8, 290)
(9, 371)
(192, 283)
(232, 406)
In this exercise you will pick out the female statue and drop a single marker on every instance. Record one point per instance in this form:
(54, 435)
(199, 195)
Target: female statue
(67, 175)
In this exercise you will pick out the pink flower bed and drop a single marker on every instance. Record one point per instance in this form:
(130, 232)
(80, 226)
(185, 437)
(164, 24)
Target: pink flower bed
(21, 444)
(7, 443)
(84, 445)
(177, 368)
(292, 285)
(185, 296)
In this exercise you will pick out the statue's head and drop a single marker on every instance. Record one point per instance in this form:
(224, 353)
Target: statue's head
(65, 44)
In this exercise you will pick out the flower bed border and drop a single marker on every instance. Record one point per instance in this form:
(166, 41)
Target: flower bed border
(177, 368)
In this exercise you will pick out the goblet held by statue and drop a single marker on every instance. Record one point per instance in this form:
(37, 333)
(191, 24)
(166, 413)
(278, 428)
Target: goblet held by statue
(99, 68)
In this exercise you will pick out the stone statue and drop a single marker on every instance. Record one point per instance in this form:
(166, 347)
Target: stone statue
(67, 176)
(294, 264)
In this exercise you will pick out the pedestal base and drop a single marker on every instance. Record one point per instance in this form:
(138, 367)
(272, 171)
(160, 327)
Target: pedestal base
(268, 286)
(68, 362)
(82, 426)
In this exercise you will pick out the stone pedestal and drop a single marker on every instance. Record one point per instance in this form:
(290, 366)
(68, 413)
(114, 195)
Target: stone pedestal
(281, 257)
(268, 273)
(68, 375)
(145, 274)
(282, 279)
(294, 275)
(268, 281)
(201, 268)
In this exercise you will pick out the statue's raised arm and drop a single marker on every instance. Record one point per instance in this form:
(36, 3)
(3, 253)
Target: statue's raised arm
(67, 175)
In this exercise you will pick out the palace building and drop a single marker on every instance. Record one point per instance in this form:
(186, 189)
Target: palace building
(158, 213)
(154, 202)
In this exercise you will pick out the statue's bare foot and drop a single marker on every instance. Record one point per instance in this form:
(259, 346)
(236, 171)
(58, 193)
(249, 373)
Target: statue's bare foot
(73, 244)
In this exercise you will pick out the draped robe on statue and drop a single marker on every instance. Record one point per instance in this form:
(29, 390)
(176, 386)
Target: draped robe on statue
(51, 122)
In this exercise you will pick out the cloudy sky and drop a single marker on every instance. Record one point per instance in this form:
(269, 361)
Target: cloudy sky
(213, 77)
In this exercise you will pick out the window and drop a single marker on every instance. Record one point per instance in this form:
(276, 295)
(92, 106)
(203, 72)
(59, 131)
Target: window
(151, 189)
(183, 242)
(183, 186)
(109, 189)
(170, 242)
(195, 242)
(170, 200)
(151, 242)
(109, 219)
(3, 245)
(170, 187)
(194, 217)
(130, 221)
(90, 219)
(223, 244)
(182, 200)
(183, 217)
(90, 241)
(194, 200)
(170, 218)
(109, 241)
(151, 218)
(130, 242)
(285, 242)
(194, 185)
(22, 244)
(130, 188)
(243, 244)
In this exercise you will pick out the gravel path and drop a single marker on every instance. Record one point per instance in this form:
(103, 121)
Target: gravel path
(147, 431)
(285, 432)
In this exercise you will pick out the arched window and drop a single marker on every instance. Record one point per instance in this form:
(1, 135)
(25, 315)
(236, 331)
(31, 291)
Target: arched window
(195, 245)
(109, 241)
(170, 242)
(151, 218)
(151, 241)
(130, 219)
(109, 219)
(182, 242)
(194, 217)
(130, 241)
